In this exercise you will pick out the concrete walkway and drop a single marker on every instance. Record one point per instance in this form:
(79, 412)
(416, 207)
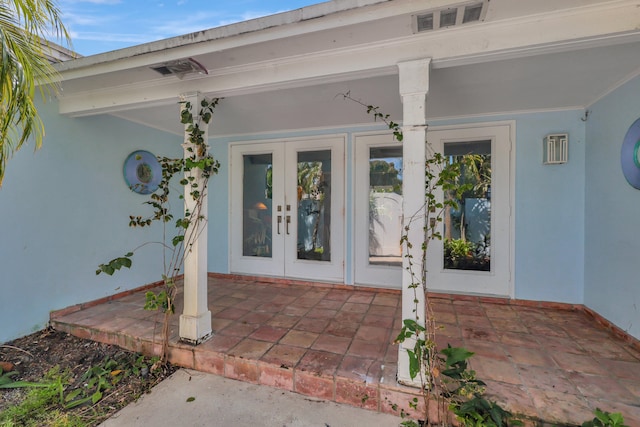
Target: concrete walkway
(223, 402)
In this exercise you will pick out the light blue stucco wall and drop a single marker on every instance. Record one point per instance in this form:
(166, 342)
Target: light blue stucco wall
(612, 283)
(64, 210)
(548, 207)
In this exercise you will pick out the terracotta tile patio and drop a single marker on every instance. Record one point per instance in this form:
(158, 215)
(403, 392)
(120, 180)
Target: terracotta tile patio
(552, 363)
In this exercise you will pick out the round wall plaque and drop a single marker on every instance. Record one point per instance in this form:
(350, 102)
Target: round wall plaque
(142, 172)
(630, 155)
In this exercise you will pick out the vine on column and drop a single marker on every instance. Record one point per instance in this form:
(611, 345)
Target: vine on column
(444, 376)
(186, 227)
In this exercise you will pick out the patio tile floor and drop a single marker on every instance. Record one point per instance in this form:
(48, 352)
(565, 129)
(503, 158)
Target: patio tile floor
(554, 364)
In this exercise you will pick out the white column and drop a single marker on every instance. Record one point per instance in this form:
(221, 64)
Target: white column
(195, 321)
(414, 85)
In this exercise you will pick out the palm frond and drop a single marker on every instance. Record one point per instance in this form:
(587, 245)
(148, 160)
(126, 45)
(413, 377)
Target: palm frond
(24, 26)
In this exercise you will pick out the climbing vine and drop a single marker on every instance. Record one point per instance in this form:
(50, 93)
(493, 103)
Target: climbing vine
(196, 167)
(443, 375)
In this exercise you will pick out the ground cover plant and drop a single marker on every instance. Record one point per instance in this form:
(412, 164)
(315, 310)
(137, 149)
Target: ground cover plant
(605, 419)
(51, 378)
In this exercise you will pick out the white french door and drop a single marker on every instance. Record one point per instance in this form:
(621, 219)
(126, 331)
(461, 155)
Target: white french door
(287, 209)
(475, 253)
(378, 210)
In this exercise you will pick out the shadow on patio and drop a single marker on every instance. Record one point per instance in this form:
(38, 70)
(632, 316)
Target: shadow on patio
(555, 364)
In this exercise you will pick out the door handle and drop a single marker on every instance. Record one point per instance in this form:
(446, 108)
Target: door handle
(288, 222)
(279, 221)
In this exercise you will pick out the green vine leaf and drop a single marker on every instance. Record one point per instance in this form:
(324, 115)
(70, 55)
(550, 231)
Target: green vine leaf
(414, 364)
(177, 240)
(183, 223)
(115, 264)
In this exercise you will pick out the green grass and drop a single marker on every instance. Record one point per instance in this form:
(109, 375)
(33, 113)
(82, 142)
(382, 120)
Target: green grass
(57, 400)
(39, 408)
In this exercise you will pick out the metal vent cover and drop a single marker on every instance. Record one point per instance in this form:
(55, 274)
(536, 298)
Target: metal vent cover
(180, 68)
(464, 13)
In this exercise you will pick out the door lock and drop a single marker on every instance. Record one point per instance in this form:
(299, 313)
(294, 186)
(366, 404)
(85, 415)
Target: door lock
(279, 218)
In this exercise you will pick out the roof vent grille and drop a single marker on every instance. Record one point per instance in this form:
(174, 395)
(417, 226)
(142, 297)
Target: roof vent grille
(425, 22)
(180, 68)
(462, 14)
(472, 13)
(448, 17)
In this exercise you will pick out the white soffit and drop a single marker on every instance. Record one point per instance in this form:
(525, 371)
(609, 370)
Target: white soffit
(348, 44)
(542, 83)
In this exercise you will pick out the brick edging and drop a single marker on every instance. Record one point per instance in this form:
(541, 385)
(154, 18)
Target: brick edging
(614, 329)
(300, 282)
(54, 314)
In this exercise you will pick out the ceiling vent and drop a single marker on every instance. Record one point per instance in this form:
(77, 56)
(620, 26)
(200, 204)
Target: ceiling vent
(456, 15)
(180, 68)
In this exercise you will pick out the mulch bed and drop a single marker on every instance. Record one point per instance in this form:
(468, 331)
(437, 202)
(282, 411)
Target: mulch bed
(34, 355)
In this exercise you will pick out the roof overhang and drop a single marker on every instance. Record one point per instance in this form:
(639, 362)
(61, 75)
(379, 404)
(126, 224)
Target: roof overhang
(583, 46)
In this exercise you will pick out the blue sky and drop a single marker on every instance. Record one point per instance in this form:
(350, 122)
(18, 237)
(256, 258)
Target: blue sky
(103, 25)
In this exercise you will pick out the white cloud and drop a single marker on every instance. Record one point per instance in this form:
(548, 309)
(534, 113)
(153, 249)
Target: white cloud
(195, 22)
(204, 20)
(114, 37)
(71, 19)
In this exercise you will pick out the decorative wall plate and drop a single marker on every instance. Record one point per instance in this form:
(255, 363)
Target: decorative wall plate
(630, 155)
(142, 172)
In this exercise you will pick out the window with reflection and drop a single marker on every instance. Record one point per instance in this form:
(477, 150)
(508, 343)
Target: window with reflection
(256, 232)
(467, 228)
(385, 205)
(314, 205)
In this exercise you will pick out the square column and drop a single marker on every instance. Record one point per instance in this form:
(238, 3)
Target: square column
(195, 321)
(414, 85)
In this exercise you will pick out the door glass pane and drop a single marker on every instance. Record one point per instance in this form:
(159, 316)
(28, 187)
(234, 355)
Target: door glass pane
(314, 205)
(467, 229)
(385, 205)
(256, 205)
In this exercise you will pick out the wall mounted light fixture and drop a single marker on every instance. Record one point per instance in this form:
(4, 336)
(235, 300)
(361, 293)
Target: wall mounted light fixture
(556, 149)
